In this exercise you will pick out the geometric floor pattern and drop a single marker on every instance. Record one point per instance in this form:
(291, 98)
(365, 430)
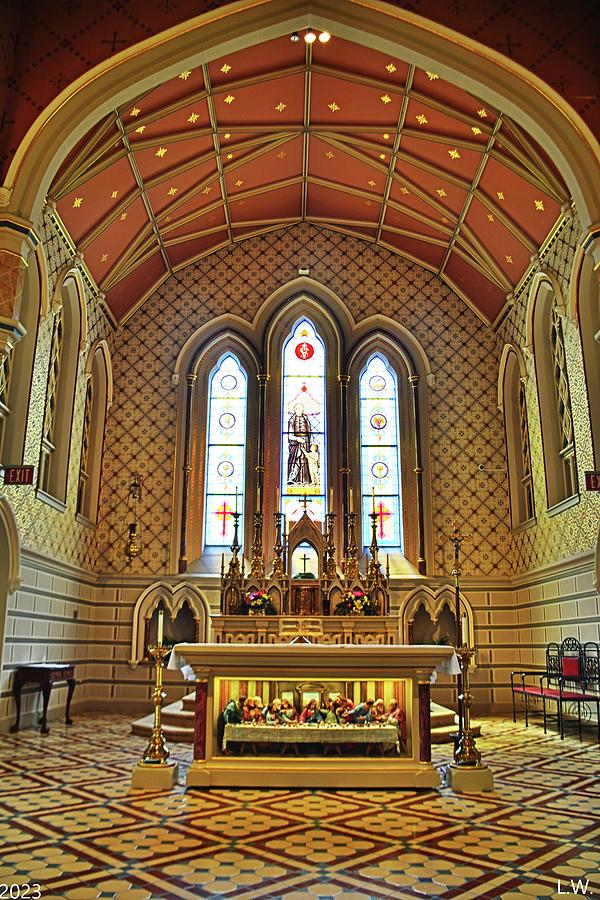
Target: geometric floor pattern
(70, 823)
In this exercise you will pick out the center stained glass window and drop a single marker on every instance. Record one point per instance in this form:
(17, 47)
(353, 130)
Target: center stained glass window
(379, 452)
(226, 452)
(303, 442)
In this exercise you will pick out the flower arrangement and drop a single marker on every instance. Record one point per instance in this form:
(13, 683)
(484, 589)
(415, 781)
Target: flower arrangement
(257, 603)
(356, 603)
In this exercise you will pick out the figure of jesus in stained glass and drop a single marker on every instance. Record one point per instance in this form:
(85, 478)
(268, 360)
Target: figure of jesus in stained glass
(303, 420)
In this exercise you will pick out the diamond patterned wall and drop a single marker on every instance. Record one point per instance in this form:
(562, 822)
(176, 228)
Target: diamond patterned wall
(465, 427)
(555, 537)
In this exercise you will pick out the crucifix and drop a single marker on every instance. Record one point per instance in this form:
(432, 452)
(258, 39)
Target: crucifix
(224, 513)
(383, 513)
(304, 559)
(305, 501)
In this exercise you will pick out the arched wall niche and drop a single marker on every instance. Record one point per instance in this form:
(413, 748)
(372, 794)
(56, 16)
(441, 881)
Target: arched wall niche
(559, 466)
(588, 315)
(434, 600)
(492, 77)
(172, 597)
(99, 392)
(33, 306)
(405, 356)
(511, 402)
(68, 306)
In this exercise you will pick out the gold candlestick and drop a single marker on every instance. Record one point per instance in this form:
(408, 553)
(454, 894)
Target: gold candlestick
(278, 566)
(157, 751)
(257, 564)
(351, 568)
(331, 568)
(466, 753)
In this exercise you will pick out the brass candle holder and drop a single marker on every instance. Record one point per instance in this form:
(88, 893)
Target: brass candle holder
(331, 568)
(278, 570)
(257, 564)
(351, 569)
(465, 752)
(154, 771)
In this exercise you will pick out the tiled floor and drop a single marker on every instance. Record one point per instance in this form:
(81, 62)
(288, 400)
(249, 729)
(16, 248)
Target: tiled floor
(69, 822)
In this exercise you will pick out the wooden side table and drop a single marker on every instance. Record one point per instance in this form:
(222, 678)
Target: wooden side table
(44, 674)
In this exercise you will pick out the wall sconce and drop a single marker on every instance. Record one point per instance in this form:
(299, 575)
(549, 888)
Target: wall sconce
(133, 544)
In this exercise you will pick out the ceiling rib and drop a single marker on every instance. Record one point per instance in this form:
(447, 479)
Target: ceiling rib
(392, 163)
(219, 162)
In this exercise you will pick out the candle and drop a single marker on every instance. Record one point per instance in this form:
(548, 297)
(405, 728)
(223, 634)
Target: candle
(464, 626)
(236, 499)
(373, 497)
(258, 497)
(330, 499)
(277, 501)
(159, 637)
(351, 507)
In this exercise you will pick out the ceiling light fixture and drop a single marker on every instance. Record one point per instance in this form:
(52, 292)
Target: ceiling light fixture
(324, 37)
(295, 37)
(310, 36)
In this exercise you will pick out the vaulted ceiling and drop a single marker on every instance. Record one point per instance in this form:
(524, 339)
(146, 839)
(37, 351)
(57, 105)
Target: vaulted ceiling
(334, 134)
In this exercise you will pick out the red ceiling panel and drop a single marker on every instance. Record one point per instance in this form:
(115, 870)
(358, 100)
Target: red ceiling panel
(333, 164)
(185, 252)
(204, 222)
(161, 158)
(125, 294)
(82, 208)
(280, 101)
(166, 192)
(102, 254)
(532, 209)
(454, 98)
(281, 203)
(432, 254)
(335, 101)
(209, 195)
(401, 194)
(484, 294)
(342, 55)
(164, 95)
(271, 56)
(328, 204)
(394, 219)
(501, 243)
(428, 119)
(437, 187)
(447, 157)
(279, 164)
(190, 119)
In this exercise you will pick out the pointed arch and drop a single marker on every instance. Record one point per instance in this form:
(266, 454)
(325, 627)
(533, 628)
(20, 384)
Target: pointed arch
(588, 310)
(10, 565)
(98, 375)
(512, 403)
(173, 597)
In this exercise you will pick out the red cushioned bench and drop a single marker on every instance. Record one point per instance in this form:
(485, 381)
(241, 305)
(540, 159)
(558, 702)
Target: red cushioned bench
(571, 676)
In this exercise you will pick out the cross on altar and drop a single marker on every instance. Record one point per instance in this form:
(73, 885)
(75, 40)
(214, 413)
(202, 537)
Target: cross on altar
(382, 514)
(225, 513)
(305, 501)
(304, 559)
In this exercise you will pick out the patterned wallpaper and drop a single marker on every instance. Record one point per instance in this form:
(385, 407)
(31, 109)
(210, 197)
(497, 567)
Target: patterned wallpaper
(555, 537)
(466, 429)
(41, 527)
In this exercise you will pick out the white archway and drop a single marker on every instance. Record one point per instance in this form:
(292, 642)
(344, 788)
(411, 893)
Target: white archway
(173, 597)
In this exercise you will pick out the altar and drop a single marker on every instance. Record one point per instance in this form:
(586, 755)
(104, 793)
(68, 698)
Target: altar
(225, 669)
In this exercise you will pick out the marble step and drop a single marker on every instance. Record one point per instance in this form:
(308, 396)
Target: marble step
(178, 722)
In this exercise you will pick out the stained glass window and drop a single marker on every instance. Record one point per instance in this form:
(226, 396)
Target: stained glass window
(379, 452)
(226, 452)
(303, 448)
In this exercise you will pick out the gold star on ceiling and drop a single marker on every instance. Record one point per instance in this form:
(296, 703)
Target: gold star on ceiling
(172, 191)
(207, 190)
(482, 113)
(329, 154)
(239, 182)
(225, 68)
(386, 137)
(432, 76)
(391, 68)
(382, 156)
(114, 195)
(77, 202)
(193, 118)
(281, 106)
(490, 217)
(404, 190)
(371, 183)
(123, 216)
(385, 99)
(475, 129)
(135, 112)
(104, 257)
(282, 154)
(445, 220)
(421, 119)
(140, 130)
(500, 195)
(454, 154)
(185, 75)
(333, 107)
(539, 205)
(441, 192)
(226, 136)
(162, 151)
(508, 259)
(368, 203)
(167, 218)
(229, 99)
(229, 156)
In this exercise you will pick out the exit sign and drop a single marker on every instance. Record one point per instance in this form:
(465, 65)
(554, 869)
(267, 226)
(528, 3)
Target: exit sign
(18, 474)
(592, 481)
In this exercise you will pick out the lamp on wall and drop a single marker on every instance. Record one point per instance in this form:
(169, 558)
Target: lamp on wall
(133, 544)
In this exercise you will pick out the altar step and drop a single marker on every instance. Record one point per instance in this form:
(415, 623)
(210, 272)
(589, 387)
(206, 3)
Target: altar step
(178, 723)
